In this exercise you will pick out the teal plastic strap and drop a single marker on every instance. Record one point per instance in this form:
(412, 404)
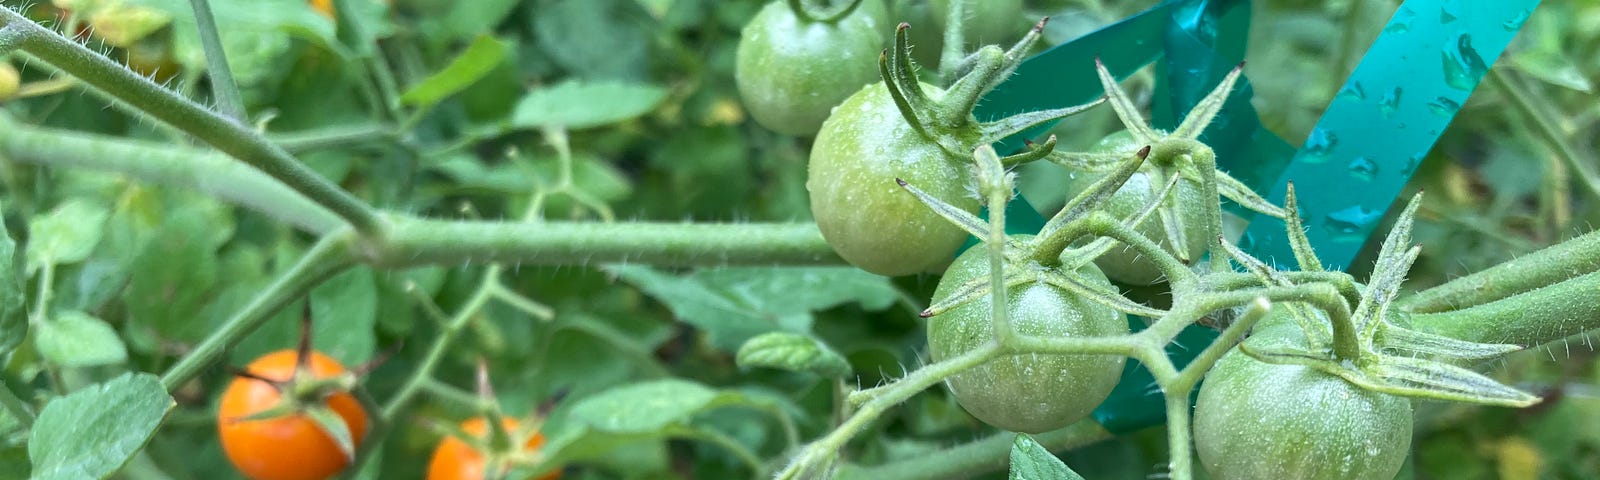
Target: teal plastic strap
(1365, 147)
(1390, 112)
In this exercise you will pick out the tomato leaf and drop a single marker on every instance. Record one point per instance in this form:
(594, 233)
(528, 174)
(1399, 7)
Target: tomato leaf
(577, 105)
(596, 38)
(792, 352)
(176, 273)
(1030, 461)
(67, 234)
(734, 304)
(650, 407)
(76, 339)
(344, 310)
(92, 432)
(473, 64)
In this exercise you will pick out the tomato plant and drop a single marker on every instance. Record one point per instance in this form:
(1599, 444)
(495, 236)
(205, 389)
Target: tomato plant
(290, 445)
(1026, 392)
(835, 55)
(1260, 420)
(456, 459)
(606, 203)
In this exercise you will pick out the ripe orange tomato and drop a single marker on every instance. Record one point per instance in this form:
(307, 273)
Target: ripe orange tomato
(454, 459)
(324, 7)
(289, 447)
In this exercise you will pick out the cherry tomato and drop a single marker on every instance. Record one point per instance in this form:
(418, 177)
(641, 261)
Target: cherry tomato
(10, 80)
(1256, 420)
(1125, 264)
(792, 71)
(1029, 393)
(291, 447)
(324, 7)
(867, 218)
(454, 459)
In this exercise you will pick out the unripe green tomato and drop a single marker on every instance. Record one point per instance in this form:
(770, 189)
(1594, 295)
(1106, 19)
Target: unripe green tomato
(1256, 420)
(791, 72)
(10, 80)
(1125, 264)
(1030, 392)
(986, 22)
(870, 220)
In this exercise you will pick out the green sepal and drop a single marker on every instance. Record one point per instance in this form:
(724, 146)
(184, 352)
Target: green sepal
(333, 425)
(961, 218)
(1397, 338)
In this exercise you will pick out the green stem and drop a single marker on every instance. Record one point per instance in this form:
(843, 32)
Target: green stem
(1205, 160)
(328, 257)
(954, 38)
(334, 137)
(1530, 318)
(1180, 453)
(416, 241)
(451, 396)
(825, 449)
(424, 372)
(223, 88)
(379, 72)
(165, 164)
(16, 406)
(145, 96)
(1553, 264)
(1544, 121)
(975, 458)
(732, 446)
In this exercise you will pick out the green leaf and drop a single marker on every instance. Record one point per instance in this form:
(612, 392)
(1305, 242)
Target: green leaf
(176, 273)
(577, 105)
(13, 309)
(1552, 67)
(596, 39)
(649, 407)
(14, 461)
(345, 312)
(1030, 461)
(76, 339)
(92, 432)
(67, 234)
(734, 304)
(473, 64)
(792, 352)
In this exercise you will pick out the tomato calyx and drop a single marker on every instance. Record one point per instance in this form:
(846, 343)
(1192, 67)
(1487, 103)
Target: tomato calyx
(1364, 343)
(303, 393)
(947, 121)
(811, 13)
(505, 444)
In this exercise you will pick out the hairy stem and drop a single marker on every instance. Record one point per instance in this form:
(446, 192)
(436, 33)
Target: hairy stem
(144, 96)
(418, 241)
(1530, 318)
(223, 88)
(1553, 264)
(166, 164)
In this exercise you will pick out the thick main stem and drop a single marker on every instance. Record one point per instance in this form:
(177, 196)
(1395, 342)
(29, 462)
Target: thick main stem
(1531, 318)
(145, 96)
(1553, 264)
(418, 242)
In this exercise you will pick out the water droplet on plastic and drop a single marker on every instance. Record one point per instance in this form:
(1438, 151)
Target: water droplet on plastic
(1353, 91)
(1515, 23)
(1390, 102)
(1411, 164)
(1319, 145)
(1398, 25)
(1444, 106)
(1364, 168)
(1351, 224)
(1462, 65)
(1445, 15)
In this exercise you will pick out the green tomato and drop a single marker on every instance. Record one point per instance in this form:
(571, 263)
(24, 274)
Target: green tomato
(791, 71)
(987, 21)
(1029, 393)
(868, 219)
(1125, 264)
(1256, 420)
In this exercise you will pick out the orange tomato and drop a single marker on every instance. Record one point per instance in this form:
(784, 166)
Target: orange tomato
(324, 7)
(291, 447)
(454, 459)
